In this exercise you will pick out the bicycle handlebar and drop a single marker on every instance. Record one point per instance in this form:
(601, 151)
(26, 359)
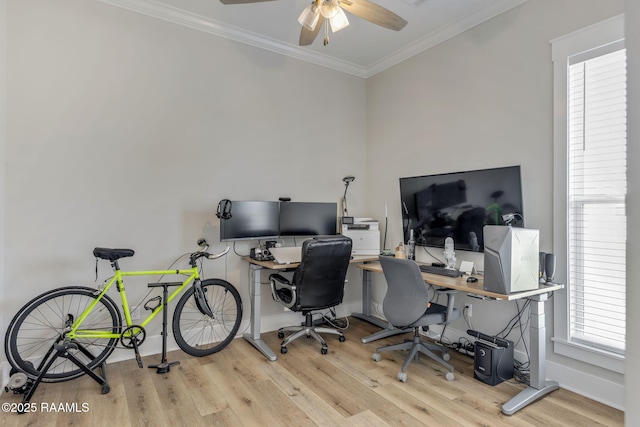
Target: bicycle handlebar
(218, 255)
(204, 254)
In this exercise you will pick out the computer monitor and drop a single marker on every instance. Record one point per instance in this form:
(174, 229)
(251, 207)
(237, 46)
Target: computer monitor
(251, 220)
(308, 219)
(510, 259)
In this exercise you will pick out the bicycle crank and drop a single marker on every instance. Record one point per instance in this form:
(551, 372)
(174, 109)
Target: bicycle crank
(132, 337)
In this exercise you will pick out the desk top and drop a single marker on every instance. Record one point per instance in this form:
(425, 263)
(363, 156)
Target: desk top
(477, 288)
(271, 265)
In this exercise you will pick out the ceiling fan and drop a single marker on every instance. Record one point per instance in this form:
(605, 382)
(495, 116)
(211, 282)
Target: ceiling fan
(331, 13)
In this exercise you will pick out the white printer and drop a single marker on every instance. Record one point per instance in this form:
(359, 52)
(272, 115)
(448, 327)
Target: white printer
(365, 234)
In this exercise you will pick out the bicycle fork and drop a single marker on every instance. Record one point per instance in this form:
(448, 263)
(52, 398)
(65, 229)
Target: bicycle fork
(201, 300)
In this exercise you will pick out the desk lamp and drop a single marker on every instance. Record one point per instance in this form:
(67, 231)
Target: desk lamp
(345, 217)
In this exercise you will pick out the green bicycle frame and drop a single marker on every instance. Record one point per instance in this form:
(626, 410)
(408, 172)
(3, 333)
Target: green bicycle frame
(75, 332)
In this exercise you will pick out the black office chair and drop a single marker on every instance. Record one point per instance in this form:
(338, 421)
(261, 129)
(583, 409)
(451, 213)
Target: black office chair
(405, 306)
(317, 284)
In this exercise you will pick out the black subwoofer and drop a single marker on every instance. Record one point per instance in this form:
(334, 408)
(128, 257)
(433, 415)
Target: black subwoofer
(493, 364)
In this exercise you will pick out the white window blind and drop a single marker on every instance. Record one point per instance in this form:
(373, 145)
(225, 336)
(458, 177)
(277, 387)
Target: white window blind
(596, 206)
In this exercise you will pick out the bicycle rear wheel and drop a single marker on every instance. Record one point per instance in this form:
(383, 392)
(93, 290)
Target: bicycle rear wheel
(42, 322)
(200, 335)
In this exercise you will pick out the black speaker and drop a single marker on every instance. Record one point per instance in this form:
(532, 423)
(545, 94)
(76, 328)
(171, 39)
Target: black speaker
(492, 364)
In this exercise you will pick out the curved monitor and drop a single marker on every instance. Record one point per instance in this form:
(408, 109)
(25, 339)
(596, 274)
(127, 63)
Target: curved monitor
(459, 205)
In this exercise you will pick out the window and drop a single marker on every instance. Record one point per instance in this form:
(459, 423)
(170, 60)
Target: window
(597, 190)
(589, 193)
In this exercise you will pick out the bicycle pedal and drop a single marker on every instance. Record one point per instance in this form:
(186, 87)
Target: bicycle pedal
(139, 360)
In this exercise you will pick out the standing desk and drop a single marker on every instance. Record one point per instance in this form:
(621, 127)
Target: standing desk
(538, 384)
(256, 268)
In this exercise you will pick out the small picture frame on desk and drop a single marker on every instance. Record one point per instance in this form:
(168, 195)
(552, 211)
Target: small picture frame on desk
(467, 267)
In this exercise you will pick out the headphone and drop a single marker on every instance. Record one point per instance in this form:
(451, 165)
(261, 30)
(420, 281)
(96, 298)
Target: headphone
(224, 209)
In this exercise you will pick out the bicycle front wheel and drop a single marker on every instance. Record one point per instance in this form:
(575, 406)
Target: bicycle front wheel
(43, 322)
(200, 335)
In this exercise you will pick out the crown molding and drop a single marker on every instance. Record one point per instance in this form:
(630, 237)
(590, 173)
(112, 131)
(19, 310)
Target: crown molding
(182, 17)
(442, 34)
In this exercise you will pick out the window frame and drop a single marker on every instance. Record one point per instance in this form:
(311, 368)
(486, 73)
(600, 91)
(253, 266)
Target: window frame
(587, 41)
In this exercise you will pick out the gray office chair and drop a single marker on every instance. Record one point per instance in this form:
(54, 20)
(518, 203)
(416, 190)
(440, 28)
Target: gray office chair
(405, 306)
(317, 284)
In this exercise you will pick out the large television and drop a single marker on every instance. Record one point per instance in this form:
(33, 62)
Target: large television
(459, 205)
(251, 220)
(308, 219)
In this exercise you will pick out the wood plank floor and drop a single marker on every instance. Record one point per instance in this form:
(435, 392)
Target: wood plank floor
(239, 387)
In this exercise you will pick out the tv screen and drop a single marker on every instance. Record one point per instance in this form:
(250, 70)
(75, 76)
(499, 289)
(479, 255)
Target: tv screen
(459, 205)
(251, 220)
(308, 218)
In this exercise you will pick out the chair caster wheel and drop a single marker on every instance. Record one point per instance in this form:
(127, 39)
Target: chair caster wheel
(376, 357)
(324, 350)
(280, 334)
(106, 389)
(283, 350)
(449, 376)
(341, 338)
(402, 376)
(446, 357)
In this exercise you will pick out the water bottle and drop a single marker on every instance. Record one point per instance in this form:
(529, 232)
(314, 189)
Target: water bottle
(412, 246)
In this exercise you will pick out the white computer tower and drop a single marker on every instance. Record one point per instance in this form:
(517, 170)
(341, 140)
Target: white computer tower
(510, 259)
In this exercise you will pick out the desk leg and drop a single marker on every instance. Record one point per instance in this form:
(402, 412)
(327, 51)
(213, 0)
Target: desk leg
(388, 330)
(254, 336)
(538, 385)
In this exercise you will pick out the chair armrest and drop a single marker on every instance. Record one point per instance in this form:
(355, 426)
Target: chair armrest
(282, 290)
(279, 278)
(451, 299)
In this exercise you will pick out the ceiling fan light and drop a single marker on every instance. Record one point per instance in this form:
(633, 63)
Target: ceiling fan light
(330, 8)
(338, 21)
(310, 16)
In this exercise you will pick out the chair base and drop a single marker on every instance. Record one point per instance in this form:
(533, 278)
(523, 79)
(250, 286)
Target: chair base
(309, 331)
(415, 347)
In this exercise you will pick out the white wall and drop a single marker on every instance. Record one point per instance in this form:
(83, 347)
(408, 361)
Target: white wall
(483, 99)
(632, 365)
(126, 131)
(3, 137)
(105, 103)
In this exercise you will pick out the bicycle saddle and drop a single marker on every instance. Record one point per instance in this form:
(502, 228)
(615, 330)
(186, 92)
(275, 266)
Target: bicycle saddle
(112, 254)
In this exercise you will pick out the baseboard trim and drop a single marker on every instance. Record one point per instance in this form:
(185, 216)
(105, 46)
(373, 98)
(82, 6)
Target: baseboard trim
(5, 369)
(601, 390)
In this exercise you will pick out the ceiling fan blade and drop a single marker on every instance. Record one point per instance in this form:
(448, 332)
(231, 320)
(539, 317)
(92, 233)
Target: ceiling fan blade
(241, 1)
(374, 13)
(307, 36)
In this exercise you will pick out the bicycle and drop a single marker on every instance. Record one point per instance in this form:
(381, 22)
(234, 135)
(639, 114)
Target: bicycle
(68, 332)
